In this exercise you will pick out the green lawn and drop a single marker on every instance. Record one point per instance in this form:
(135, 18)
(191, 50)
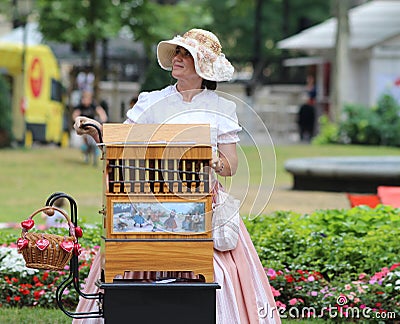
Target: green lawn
(28, 177)
(36, 315)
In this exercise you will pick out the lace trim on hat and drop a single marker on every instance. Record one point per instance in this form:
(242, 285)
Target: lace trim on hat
(213, 66)
(204, 40)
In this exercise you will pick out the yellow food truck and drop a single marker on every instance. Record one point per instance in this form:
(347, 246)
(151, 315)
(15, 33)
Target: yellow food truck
(38, 111)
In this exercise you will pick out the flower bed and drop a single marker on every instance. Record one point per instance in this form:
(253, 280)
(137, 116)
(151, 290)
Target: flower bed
(23, 286)
(304, 294)
(328, 264)
(332, 262)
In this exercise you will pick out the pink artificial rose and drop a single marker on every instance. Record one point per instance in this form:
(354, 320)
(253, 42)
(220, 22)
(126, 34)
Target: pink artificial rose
(275, 292)
(280, 305)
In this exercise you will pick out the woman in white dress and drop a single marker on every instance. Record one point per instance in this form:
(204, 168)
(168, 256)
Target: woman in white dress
(197, 63)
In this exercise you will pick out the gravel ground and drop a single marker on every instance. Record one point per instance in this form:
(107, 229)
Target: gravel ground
(306, 201)
(284, 198)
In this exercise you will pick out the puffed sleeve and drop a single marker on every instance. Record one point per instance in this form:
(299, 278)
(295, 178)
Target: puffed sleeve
(228, 126)
(147, 108)
(137, 113)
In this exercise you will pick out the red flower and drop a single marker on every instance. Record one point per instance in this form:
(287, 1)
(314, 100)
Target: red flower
(17, 298)
(8, 298)
(289, 278)
(35, 279)
(13, 279)
(24, 291)
(317, 275)
(45, 276)
(37, 294)
(378, 304)
(394, 266)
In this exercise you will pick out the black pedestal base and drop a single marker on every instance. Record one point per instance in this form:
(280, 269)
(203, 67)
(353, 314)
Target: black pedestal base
(147, 303)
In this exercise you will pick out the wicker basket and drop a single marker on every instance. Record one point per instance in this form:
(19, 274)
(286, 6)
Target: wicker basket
(46, 251)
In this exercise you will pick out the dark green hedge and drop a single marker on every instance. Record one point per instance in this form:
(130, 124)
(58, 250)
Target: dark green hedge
(378, 125)
(332, 242)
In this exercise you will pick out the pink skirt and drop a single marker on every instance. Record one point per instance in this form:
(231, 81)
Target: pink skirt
(245, 296)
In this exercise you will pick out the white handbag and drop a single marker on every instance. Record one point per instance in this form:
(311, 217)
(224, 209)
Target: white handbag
(225, 221)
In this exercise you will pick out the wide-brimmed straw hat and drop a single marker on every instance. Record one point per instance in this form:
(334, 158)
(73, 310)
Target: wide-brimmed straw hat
(209, 61)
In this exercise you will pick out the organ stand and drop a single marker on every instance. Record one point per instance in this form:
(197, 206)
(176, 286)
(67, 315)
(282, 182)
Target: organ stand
(157, 247)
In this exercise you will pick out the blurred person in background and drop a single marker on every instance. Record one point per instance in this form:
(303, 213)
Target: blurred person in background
(88, 108)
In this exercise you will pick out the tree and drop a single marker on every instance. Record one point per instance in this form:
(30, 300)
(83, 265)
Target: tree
(81, 23)
(152, 22)
(341, 63)
(85, 22)
(252, 28)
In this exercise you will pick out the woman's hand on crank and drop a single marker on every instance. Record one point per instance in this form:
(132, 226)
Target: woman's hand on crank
(82, 128)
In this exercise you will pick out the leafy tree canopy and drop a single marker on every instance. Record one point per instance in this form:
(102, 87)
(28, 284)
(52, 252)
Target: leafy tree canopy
(248, 29)
(235, 22)
(77, 22)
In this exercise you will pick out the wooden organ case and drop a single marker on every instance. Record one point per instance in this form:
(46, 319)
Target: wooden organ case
(157, 200)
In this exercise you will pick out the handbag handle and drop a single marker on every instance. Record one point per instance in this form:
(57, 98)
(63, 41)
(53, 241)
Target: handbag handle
(49, 209)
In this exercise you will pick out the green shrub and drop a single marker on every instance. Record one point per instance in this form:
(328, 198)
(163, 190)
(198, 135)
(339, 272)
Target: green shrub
(328, 132)
(332, 242)
(359, 124)
(332, 264)
(389, 111)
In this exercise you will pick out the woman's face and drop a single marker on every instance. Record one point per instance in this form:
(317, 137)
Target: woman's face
(183, 65)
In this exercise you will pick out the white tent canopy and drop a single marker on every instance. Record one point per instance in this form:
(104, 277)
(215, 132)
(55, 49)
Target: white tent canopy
(370, 24)
(33, 36)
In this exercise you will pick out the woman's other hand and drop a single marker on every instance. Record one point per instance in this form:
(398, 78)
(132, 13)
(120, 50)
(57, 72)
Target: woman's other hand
(226, 162)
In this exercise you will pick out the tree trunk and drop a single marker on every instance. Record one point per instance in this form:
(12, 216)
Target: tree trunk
(341, 62)
(93, 38)
(96, 68)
